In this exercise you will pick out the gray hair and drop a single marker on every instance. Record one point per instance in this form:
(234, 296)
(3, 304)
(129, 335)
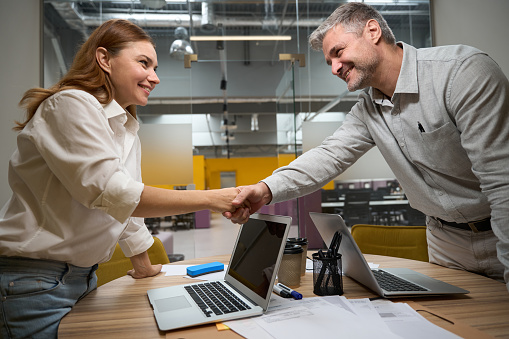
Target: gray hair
(353, 17)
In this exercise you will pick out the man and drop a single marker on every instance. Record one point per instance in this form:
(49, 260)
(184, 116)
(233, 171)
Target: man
(440, 118)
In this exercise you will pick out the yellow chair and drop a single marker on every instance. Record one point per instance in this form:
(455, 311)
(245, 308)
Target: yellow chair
(119, 264)
(396, 241)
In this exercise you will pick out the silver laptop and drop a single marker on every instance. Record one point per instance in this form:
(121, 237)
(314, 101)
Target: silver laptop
(247, 285)
(355, 266)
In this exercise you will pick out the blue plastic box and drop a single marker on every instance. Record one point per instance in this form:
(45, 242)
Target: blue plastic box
(194, 271)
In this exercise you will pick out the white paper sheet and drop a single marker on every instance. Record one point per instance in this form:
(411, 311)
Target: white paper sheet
(248, 328)
(309, 318)
(174, 270)
(320, 321)
(365, 308)
(405, 321)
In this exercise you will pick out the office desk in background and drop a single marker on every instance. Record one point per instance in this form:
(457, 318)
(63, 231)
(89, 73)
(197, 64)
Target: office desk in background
(371, 203)
(120, 308)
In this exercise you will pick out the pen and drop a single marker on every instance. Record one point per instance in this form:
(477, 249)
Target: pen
(293, 293)
(421, 129)
(282, 292)
(336, 243)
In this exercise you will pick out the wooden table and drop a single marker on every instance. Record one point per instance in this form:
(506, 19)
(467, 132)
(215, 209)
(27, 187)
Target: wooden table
(120, 308)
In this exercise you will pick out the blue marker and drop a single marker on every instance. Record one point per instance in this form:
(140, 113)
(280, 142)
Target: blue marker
(294, 294)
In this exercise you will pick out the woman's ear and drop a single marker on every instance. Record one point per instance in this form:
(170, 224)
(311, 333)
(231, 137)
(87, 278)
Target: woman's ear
(103, 59)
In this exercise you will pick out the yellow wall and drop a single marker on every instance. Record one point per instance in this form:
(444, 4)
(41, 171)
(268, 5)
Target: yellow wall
(199, 171)
(248, 170)
(329, 186)
(285, 159)
(207, 172)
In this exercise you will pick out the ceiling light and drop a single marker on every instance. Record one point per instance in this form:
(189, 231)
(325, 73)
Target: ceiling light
(227, 136)
(180, 46)
(254, 122)
(227, 125)
(241, 38)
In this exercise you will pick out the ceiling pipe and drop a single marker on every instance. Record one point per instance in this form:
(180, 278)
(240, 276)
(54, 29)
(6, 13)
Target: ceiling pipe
(208, 23)
(71, 13)
(173, 20)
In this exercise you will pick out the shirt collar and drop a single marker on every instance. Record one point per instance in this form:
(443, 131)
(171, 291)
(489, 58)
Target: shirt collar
(407, 79)
(113, 109)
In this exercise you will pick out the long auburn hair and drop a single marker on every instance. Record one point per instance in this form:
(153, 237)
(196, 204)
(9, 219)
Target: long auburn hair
(85, 73)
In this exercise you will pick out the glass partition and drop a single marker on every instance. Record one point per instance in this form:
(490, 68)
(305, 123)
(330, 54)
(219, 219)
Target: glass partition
(287, 137)
(237, 45)
(245, 108)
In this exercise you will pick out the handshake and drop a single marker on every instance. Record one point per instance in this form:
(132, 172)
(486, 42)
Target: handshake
(240, 202)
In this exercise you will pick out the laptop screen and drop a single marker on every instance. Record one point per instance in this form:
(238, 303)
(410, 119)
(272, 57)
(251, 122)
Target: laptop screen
(256, 254)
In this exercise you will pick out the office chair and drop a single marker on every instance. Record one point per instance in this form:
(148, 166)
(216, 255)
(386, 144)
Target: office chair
(356, 209)
(415, 217)
(119, 264)
(330, 195)
(396, 241)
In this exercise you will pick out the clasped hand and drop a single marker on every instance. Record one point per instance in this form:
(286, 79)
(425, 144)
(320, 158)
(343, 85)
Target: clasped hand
(248, 201)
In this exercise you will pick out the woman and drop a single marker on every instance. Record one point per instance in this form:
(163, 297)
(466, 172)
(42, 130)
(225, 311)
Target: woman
(76, 183)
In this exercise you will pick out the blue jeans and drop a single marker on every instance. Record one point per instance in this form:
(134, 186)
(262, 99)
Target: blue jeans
(36, 294)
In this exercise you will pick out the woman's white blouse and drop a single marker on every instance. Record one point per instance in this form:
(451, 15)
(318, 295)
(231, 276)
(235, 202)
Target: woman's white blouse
(76, 179)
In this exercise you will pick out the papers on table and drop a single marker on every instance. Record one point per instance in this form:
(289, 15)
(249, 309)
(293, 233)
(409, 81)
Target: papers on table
(336, 316)
(170, 270)
(404, 320)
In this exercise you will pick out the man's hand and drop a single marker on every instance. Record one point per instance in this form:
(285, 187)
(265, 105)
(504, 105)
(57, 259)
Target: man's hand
(248, 201)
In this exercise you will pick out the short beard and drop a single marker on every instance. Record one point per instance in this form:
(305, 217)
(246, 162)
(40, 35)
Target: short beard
(365, 71)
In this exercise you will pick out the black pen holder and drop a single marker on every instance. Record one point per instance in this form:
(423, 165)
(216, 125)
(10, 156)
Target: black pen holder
(327, 275)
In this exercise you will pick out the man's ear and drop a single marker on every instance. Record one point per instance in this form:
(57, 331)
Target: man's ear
(103, 59)
(373, 31)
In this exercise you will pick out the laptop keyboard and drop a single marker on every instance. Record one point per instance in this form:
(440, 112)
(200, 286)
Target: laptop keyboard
(214, 298)
(392, 283)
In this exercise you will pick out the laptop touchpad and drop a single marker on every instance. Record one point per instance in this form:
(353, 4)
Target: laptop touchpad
(172, 304)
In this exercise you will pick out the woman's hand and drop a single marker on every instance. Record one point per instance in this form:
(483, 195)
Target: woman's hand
(221, 200)
(249, 200)
(142, 267)
(158, 202)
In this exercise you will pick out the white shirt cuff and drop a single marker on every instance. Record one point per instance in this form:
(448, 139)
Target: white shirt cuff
(137, 242)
